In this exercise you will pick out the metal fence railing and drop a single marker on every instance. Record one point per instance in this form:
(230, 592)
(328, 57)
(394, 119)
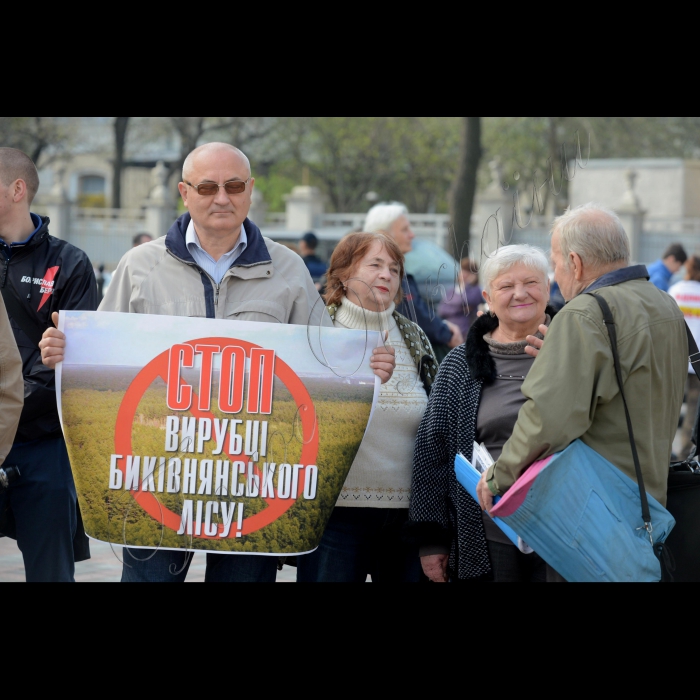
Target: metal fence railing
(660, 233)
(107, 234)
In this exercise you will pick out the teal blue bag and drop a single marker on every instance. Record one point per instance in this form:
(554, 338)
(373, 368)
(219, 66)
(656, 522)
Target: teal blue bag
(583, 516)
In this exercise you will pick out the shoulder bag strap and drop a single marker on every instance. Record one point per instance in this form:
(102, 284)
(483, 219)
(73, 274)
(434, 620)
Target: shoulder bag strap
(18, 312)
(612, 330)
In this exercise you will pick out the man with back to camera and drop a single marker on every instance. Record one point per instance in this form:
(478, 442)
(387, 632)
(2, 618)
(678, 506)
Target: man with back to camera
(662, 271)
(214, 263)
(39, 275)
(572, 391)
(392, 220)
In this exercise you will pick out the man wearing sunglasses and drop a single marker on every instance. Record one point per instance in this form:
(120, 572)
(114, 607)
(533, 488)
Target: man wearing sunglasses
(214, 263)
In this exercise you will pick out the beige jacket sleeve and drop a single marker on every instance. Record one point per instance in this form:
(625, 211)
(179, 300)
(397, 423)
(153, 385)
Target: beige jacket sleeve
(11, 385)
(309, 308)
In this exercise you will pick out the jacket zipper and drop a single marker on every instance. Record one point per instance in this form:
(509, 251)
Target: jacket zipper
(217, 287)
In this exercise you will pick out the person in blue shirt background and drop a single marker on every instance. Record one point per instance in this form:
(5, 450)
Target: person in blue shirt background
(662, 271)
(307, 249)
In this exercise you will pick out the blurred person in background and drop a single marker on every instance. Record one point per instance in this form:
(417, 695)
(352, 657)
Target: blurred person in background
(392, 220)
(142, 239)
(364, 536)
(101, 278)
(307, 249)
(557, 302)
(40, 275)
(661, 272)
(687, 294)
(462, 304)
(477, 398)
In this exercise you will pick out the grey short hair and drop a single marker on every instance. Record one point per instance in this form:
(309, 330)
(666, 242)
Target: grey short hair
(508, 257)
(595, 233)
(383, 216)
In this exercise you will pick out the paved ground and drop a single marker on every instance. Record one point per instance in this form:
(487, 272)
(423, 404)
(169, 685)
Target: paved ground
(104, 567)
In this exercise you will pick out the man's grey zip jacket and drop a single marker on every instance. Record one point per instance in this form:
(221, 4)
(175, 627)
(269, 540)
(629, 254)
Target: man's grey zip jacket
(268, 283)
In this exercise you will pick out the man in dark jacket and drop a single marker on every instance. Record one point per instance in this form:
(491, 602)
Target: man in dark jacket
(39, 275)
(392, 220)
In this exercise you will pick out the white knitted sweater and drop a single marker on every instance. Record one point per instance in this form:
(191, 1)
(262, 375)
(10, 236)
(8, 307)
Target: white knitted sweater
(381, 474)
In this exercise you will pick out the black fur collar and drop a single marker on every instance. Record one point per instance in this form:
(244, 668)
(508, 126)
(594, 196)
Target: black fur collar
(481, 365)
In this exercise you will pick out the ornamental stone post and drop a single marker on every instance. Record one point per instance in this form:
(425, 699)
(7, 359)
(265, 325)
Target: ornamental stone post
(160, 205)
(258, 209)
(305, 207)
(58, 205)
(632, 215)
(495, 206)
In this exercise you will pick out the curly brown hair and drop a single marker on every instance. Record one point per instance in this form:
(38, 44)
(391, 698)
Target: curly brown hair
(350, 251)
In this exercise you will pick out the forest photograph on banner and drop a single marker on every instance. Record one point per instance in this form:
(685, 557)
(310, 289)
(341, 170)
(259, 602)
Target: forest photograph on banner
(209, 435)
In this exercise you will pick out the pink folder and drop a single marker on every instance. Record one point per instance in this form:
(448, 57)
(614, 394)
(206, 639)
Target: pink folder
(510, 503)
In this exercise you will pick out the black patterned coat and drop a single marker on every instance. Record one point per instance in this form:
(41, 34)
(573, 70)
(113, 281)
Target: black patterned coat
(442, 512)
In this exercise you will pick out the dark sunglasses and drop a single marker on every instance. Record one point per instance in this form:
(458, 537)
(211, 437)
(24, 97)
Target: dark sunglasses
(209, 189)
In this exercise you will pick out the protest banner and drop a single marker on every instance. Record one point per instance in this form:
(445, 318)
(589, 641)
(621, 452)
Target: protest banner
(215, 436)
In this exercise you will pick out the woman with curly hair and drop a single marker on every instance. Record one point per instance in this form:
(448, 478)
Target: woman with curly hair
(365, 534)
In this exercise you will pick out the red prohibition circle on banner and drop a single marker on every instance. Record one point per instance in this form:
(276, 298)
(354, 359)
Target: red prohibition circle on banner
(158, 368)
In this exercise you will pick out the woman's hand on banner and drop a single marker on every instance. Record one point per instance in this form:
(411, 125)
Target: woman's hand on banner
(53, 345)
(383, 361)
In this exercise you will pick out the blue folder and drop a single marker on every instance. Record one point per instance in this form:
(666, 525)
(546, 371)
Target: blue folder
(469, 477)
(583, 516)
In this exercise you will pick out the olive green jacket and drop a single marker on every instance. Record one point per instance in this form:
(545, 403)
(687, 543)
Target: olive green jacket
(418, 345)
(573, 393)
(11, 385)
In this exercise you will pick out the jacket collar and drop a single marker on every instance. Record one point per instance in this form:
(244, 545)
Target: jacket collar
(40, 233)
(481, 364)
(255, 254)
(612, 279)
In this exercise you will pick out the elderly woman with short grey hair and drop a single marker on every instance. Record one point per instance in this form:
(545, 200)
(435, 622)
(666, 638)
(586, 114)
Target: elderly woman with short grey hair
(476, 399)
